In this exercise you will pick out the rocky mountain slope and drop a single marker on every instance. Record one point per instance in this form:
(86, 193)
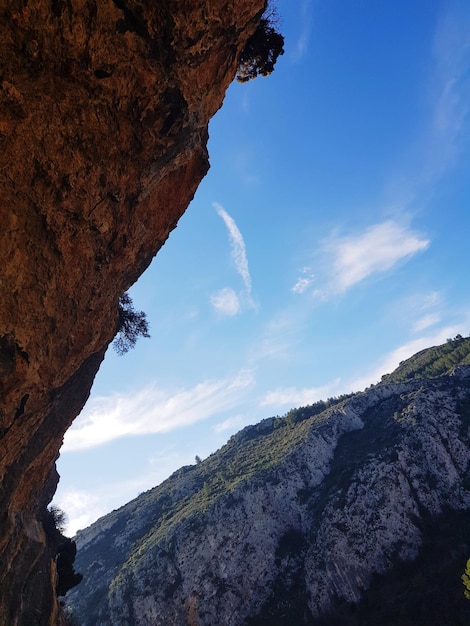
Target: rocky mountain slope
(104, 111)
(351, 511)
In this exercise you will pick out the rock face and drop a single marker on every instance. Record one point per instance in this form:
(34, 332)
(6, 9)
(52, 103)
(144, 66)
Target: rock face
(294, 517)
(104, 109)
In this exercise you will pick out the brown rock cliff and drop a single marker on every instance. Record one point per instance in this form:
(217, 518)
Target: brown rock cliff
(104, 108)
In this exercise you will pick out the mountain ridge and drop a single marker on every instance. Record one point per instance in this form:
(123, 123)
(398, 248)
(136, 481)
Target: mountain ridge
(284, 505)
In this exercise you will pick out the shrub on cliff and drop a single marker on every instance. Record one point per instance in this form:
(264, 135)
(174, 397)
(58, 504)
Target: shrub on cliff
(63, 549)
(131, 324)
(55, 520)
(261, 50)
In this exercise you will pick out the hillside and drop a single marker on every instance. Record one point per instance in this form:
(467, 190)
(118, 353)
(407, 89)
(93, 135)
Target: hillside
(432, 362)
(351, 511)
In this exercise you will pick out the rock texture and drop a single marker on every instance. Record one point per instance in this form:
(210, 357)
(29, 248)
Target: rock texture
(291, 518)
(104, 109)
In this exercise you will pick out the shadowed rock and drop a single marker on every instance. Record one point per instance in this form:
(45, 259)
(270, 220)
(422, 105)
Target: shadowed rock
(104, 110)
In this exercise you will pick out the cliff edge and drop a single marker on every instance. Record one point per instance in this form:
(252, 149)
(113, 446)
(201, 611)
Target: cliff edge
(104, 110)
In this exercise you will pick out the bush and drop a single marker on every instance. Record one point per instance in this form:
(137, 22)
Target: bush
(261, 50)
(62, 548)
(131, 324)
(57, 518)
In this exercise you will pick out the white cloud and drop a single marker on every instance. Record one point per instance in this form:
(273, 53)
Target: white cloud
(378, 249)
(448, 93)
(294, 397)
(418, 311)
(232, 423)
(451, 87)
(153, 410)
(301, 45)
(226, 302)
(431, 299)
(238, 250)
(304, 281)
(302, 284)
(81, 507)
(425, 322)
(392, 360)
(238, 246)
(278, 338)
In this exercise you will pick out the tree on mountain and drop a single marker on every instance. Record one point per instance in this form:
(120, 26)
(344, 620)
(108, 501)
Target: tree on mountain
(261, 50)
(131, 324)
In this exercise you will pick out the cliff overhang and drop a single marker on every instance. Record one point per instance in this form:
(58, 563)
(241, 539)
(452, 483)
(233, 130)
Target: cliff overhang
(104, 112)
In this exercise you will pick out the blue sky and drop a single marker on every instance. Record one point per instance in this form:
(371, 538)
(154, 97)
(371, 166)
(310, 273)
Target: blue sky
(327, 243)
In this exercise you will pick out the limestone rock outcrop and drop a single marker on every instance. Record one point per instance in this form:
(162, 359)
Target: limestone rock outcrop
(104, 111)
(291, 519)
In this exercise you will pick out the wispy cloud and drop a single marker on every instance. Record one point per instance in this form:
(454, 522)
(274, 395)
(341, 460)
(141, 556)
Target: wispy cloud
(350, 259)
(300, 46)
(237, 245)
(153, 410)
(418, 310)
(279, 337)
(425, 322)
(304, 281)
(393, 359)
(227, 301)
(378, 249)
(232, 423)
(430, 299)
(450, 86)
(294, 397)
(448, 96)
(347, 260)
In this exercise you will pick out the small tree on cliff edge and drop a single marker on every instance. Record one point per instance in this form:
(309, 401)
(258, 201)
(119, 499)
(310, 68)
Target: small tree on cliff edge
(63, 549)
(57, 517)
(131, 325)
(262, 49)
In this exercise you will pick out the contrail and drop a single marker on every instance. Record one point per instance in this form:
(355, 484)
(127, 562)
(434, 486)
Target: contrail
(238, 249)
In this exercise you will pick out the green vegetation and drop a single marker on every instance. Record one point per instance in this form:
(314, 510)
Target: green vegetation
(433, 362)
(63, 549)
(466, 580)
(186, 496)
(56, 518)
(253, 452)
(295, 416)
(131, 325)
